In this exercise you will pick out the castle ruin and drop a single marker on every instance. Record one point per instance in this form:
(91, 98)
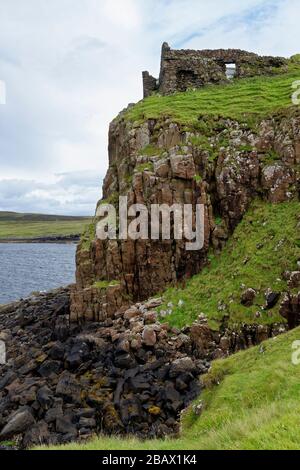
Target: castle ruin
(184, 69)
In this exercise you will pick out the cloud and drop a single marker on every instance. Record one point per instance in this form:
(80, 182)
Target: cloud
(71, 194)
(71, 65)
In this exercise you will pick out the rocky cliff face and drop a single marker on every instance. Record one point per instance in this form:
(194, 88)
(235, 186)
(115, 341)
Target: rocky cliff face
(97, 358)
(221, 163)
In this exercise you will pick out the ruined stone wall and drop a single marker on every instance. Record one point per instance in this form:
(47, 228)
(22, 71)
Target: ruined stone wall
(160, 162)
(184, 69)
(150, 84)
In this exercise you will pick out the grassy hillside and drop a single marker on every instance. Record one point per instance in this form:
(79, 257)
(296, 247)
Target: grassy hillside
(251, 401)
(257, 96)
(16, 225)
(265, 244)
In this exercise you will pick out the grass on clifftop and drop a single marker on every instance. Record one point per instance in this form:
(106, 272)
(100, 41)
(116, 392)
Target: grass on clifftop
(251, 402)
(26, 226)
(258, 95)
(264, 245)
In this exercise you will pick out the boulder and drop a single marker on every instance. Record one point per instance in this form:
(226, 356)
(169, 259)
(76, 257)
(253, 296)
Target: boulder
(183, 166)
(87, 422)
(202, 338)
(53, 414)
(49, 368)
(271, 298)
(290, 309)
(68, 388)
(132, 312)
(79, 354)
(149, 336)
(150, 317)
(180, 366)
(18, 422)
(248, 297)
(57, 351)
(294, 279)
(65, 425)
(7, 379)
(45, 397)
(124, 361)
(38, 434)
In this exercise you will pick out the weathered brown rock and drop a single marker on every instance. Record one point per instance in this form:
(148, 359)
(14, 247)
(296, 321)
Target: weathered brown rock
(225, 179)
(248, 297)
(19, 422)
(290, 309)
(294, 279)
(68, 387)
(149, 336)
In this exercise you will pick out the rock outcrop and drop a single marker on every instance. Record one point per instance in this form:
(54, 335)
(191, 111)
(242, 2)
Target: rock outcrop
(221, 163)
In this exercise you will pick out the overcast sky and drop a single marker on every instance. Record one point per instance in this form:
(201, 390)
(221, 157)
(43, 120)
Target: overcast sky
(71, 65)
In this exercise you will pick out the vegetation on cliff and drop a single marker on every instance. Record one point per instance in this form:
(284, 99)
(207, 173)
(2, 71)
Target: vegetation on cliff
(257, 96)
(264, 245)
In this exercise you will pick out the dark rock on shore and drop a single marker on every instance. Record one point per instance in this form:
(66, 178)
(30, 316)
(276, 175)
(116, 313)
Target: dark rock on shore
(64, 382)
(127, 375)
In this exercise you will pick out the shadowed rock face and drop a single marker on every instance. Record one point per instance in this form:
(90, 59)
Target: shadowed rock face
(161, 162)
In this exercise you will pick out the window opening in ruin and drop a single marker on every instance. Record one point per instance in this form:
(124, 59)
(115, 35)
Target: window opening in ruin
(230, 71)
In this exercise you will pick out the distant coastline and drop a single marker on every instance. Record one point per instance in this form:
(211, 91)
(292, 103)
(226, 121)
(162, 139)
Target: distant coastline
(54, 239)
(41, 228)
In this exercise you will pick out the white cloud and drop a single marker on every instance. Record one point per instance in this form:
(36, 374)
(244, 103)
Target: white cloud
(122, 13)
(70, 193)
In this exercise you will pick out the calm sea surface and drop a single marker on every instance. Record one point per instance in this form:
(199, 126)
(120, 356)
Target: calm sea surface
(26, 267)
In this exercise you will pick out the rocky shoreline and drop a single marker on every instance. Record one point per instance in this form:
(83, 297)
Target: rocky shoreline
(129, 374)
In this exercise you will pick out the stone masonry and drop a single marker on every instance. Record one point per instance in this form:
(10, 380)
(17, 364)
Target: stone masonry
(184, 69)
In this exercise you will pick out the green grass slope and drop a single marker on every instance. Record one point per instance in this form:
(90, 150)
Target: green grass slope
(264, 245)
(14, 225)
(258, 96)
(251, 401)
